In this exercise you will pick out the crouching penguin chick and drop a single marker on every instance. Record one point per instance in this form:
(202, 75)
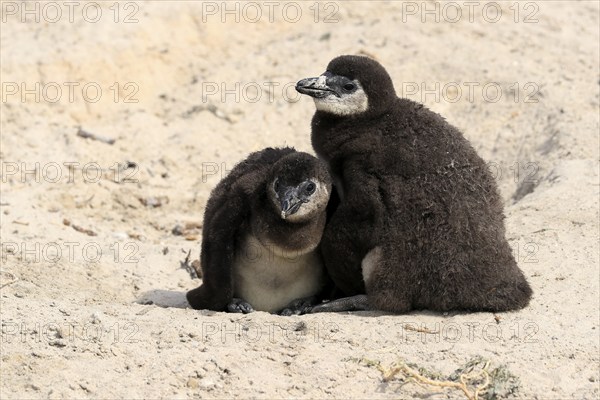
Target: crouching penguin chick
(262, 228)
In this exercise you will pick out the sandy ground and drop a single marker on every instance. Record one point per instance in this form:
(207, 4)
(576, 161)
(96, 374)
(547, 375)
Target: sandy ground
(186, 91)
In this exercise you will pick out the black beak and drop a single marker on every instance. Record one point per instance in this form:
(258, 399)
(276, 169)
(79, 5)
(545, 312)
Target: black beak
(314, 87)
(290, 201)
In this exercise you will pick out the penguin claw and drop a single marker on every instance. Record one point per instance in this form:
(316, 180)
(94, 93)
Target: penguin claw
(239, 306)
(299, 306)
(286, 312)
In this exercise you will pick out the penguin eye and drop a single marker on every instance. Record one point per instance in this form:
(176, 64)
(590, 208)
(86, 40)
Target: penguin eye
(310, 188)
(349, 86)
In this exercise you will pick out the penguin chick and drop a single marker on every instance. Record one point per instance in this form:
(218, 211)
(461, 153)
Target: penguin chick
(420, 224)
(261, 231)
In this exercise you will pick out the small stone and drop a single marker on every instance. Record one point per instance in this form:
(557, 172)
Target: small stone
(85, 386)
(95, 318)
(154, 201)
(300, 327)
(192, 383)
(120, 235)
(59, 333)
(58, 343)
(207, 384)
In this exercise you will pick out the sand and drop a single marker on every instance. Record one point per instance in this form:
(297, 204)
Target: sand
(186, 91)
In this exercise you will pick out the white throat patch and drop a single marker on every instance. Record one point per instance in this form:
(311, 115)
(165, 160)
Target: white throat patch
(348, 104)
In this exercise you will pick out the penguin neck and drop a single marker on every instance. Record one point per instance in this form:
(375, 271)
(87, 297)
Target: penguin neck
(336, 139)
(296, 238)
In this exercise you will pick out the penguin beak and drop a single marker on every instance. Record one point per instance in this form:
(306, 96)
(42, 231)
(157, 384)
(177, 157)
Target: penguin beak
(315, 87)
(290, 202)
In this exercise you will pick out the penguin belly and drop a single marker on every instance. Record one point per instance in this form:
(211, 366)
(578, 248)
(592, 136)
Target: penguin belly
(269, 278)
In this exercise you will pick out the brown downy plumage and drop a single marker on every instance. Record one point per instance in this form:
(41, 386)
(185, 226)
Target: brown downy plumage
(420, 224)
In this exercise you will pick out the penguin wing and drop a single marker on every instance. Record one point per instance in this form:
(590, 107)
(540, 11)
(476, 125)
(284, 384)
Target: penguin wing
(225, 218)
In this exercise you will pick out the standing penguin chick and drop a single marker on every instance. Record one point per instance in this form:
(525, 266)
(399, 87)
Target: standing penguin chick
(420, 224)
(262, 226)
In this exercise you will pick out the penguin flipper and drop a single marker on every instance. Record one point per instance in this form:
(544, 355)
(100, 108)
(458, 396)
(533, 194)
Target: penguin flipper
(225, 217)
(218, 253)
(355, 303)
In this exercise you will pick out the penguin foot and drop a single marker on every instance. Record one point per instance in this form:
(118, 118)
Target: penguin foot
(354, 303)
(299, 306)
(239, 306)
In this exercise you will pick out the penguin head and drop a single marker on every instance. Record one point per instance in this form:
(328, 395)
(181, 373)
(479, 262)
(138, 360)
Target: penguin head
(299, 187)
(351, 86)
